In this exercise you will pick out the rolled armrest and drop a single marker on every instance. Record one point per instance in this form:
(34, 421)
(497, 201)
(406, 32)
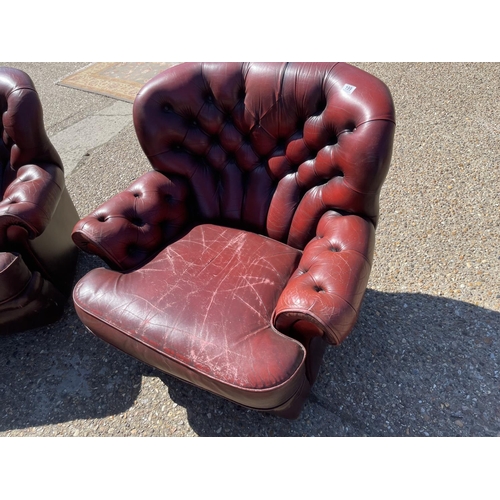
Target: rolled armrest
(324, 294)
(31, 199)
(133, 225)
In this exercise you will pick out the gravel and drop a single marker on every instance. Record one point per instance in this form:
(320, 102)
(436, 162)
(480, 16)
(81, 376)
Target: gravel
(423, 359)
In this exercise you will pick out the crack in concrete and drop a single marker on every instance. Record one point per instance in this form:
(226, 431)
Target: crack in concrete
(75, 142)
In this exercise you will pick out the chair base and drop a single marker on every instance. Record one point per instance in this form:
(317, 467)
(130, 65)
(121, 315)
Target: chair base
(26, 299)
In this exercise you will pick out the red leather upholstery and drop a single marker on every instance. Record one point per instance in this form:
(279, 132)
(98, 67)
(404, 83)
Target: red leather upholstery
(36, 213)
(233, 279)
(129, 228)
(296, 153)
(26, 299)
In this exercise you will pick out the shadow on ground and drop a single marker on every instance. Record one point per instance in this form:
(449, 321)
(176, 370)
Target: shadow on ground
(61, 372)
(415, 365)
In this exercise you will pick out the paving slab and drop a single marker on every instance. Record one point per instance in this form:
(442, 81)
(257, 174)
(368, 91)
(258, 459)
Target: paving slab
(76, 141)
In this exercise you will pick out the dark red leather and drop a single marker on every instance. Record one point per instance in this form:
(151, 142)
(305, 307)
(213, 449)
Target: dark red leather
(328, 286)
(233, 279)
(36, 213)
(26, 299)
(130, 227)
(30, 198)
(296, 152)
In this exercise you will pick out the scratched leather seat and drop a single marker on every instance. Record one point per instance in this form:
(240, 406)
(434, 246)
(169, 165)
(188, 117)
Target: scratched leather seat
(37, 255)
(247, 249)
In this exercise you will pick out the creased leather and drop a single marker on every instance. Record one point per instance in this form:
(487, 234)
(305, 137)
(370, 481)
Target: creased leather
(289, 153)
(26, 299)
(36, 212)
(330, 281)
(31, 199)
(31, 172)
(205, 303)
(270, 146)
(133, 225)
(14, 276)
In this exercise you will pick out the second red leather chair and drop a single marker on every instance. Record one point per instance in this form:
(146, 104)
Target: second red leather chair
(37, 255)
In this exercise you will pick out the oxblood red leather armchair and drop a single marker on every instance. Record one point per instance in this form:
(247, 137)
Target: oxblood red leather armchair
(247, 249)
(37, 254)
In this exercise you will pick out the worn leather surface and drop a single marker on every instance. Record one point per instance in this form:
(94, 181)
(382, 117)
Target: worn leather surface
(328, 286)
(296, 152)
(203, 307)
(136, 223)
(265, 147)
(272, 146)
(36, 212)
(31, 169)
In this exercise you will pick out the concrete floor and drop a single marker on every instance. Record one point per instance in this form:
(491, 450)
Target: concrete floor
(424, 357)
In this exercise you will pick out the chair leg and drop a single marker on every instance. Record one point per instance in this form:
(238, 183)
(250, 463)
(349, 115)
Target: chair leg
(291, 409)
(315, 348)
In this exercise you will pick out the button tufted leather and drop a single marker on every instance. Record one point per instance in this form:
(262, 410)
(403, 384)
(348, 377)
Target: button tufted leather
(328, 286)
(136, 223)
(295, 152)
(30, 198)
(271, 136)
(36, 212)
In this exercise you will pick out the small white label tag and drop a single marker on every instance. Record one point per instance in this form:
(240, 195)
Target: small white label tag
(348, 89)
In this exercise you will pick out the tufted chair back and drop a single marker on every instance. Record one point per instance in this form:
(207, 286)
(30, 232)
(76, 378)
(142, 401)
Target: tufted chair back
(270, 147)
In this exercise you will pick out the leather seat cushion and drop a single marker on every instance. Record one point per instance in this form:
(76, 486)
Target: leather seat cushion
(201, 311)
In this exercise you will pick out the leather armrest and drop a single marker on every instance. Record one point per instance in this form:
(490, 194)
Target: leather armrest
(323, 296)
(31, 199)
(135, 224)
